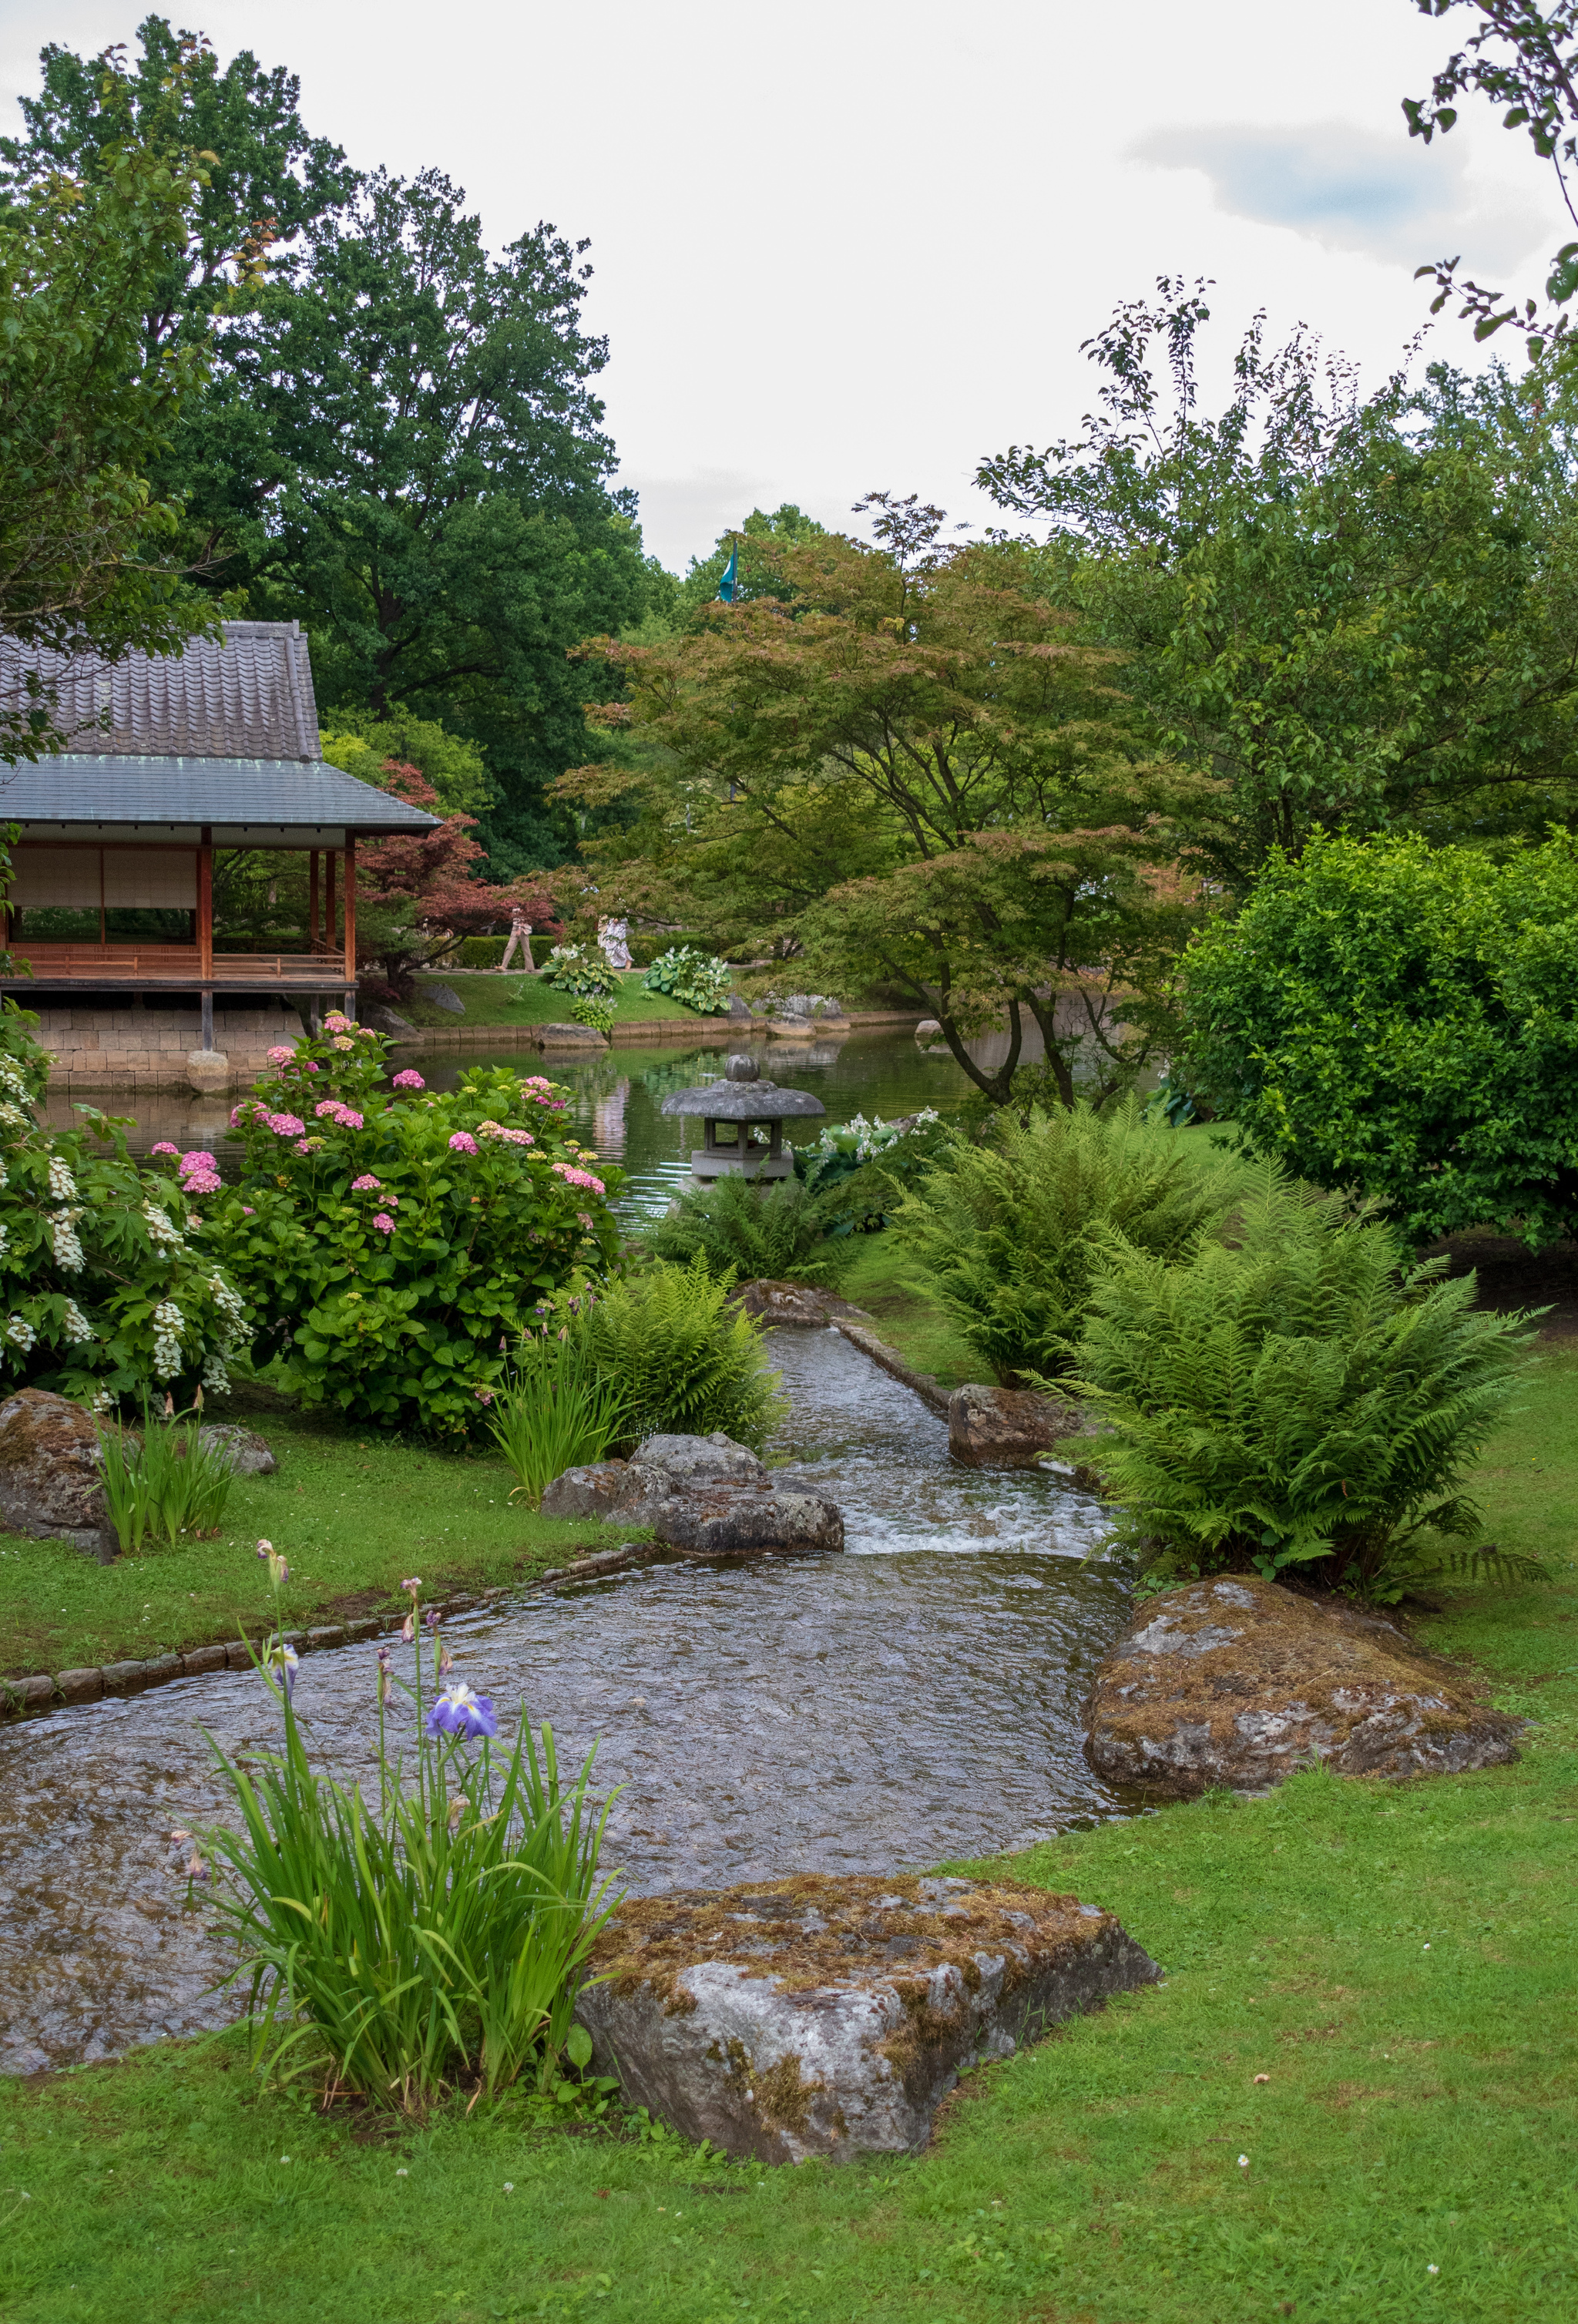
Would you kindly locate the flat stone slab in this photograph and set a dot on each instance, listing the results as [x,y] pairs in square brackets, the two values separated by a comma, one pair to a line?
[832,2016]
[1239,1682]
[782,1306]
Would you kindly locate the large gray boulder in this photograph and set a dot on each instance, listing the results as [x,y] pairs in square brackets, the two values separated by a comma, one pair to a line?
[52,1486]
[1011,1428]
[443,996]
[832,2016]
[781,1306]
[1239,1682]
[705,1496]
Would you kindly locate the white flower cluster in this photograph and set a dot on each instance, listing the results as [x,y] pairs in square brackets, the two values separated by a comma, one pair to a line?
[215,1377]
[67,1242]
[12,1078]
[864,1139]
[62,1184]
[21,1333]
[14,1117]
[159,1226]
[101,1400]
[169,1323]
[77,1327]
[227,1301]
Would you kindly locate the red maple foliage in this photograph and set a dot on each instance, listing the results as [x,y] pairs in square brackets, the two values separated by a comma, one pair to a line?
[418,896]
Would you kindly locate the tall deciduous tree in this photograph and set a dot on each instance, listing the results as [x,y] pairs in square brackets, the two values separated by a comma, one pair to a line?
[1357,612]
[897,767]
[87,404]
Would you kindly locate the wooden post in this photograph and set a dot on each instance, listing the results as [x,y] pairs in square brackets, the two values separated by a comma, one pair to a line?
[206,904]
[312,899]
[208,1018]
[330,916]
[350,907]
[103,921]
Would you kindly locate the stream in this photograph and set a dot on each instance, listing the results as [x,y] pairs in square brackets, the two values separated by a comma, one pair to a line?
[916,1699]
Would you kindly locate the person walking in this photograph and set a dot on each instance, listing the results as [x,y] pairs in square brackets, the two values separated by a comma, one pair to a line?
[520,934]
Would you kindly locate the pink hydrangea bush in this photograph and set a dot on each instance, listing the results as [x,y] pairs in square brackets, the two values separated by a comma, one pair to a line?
[396,1253]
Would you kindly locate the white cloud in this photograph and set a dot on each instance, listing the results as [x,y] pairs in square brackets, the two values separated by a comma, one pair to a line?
[1349,188]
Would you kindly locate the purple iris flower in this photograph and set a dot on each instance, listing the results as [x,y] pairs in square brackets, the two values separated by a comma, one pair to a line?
[459,1711]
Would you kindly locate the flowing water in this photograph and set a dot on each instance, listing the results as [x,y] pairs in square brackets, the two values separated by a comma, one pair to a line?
[916,1699]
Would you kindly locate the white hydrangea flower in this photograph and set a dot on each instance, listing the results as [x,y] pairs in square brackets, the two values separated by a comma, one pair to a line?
[62,1184]
[101,1400]
[160,1228]
[215,1377]
[169,1323]
[227,1301]
[21,1333]
[77,1326]
[12,1077]
[14,1117]
[67,1242]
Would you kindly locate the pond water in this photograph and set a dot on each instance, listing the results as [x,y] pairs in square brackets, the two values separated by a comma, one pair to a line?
[617,1096]
[917,1698]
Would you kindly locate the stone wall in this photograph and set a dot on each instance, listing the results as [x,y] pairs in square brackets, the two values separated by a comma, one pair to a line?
[128,1048]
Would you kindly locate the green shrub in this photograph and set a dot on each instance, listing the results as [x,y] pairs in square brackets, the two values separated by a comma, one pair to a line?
[695,979]
[686,1361]
[580,969]
[740,1229]
[1294,1395]
[394,1242]
[1010,1232]
[427,1942]
[1397,1017]
[112,1277]
[482,952]
[597,1014]
[858,1169]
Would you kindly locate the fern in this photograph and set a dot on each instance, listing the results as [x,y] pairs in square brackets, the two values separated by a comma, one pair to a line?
[684,1361]
[1291,1393]
[743,1230]
[1010,1233]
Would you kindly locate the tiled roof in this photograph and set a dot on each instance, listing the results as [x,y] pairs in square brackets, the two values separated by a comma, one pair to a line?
[269,794]
[246,695]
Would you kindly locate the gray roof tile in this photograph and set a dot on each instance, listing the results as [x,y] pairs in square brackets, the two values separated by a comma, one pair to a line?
[247,695]
[269,793]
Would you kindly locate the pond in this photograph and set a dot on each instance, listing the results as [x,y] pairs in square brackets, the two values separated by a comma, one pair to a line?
[917,1698]
[617,1096]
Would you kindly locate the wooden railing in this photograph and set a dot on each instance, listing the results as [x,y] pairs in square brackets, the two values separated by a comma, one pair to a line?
[157,964]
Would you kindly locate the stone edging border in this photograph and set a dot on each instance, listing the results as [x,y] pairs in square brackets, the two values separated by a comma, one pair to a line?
[927,1384]
[44,1691]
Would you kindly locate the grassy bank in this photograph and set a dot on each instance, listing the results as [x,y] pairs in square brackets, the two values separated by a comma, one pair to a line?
[1396,1961]
[881,1277]
[352,1512]
[510,999]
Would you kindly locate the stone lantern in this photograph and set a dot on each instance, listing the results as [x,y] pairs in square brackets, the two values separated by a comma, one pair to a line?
[733,1112]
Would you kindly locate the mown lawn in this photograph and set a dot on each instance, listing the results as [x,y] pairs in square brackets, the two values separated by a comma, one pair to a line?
[882,1278]
[353,1512]
[510,999]
[1396,1961]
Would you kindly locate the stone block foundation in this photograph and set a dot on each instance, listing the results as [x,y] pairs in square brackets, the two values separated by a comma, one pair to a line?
[129,1049]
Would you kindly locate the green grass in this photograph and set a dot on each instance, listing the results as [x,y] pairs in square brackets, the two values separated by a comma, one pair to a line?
[1397,1961]
[883,1279]
[352,1512]
[510,999]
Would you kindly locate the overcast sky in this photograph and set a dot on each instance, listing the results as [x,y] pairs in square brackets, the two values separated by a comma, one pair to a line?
[854,243]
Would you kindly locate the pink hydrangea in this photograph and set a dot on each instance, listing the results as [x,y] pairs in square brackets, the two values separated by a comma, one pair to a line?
[303,1146]
[280,1056]
[343,1041]
[577,1177]
[383,1222]
[408,1080]
[164,1147]
[285,1125]
[247,1212]
[368,1032]
[366,1185]
[238,1113]
[327,1105]
[198,1159]
[336,1021]
[310,1067]
[463,1142]
[349,1119]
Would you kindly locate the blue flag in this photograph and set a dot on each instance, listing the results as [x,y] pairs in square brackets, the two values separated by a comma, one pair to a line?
[730,581]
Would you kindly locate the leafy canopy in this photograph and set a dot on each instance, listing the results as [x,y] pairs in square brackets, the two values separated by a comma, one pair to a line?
[900,768]
[1402,1020]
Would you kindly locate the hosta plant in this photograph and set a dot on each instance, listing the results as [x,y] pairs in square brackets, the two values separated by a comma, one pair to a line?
[395,1241]
[1295,1394]
[580,969]
[695,979]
